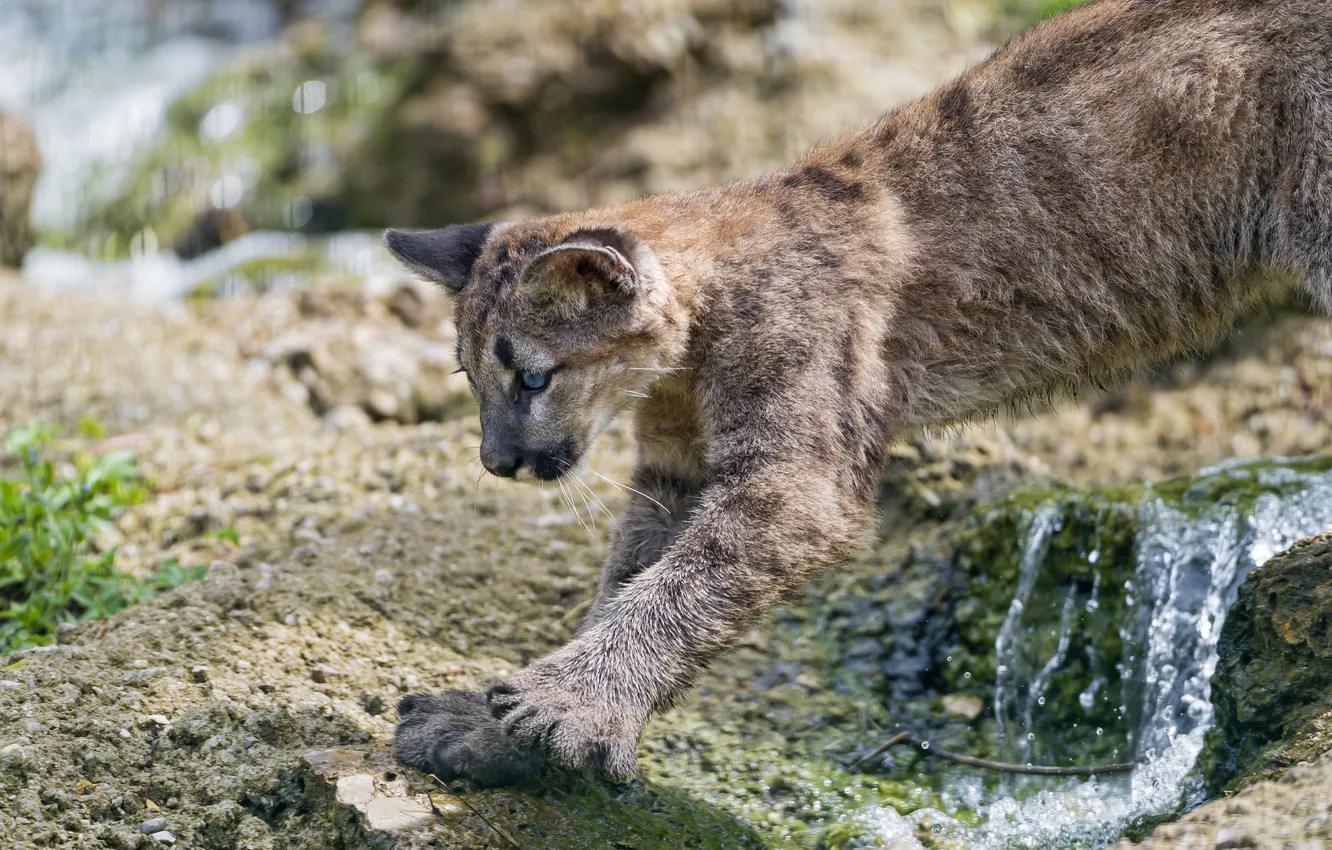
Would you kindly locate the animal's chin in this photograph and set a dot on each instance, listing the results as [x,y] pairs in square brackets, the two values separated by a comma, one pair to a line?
[549,470]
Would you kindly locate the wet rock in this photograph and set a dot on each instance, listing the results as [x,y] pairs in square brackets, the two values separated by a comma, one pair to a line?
[20,165]
[1273,682]
[1287,815]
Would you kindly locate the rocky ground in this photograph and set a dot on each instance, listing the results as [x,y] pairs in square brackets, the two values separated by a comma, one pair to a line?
[251,709]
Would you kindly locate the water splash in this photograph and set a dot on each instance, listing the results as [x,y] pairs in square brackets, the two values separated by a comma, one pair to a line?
[1192,553]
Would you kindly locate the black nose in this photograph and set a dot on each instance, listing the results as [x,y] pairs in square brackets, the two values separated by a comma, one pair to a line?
[506,467]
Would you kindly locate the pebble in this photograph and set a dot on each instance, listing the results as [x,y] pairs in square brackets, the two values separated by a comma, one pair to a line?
[164,837]
[152,825]
[9,685]
[322,673]
[965,706]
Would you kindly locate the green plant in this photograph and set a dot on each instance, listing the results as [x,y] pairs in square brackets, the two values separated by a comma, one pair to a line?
[50,571]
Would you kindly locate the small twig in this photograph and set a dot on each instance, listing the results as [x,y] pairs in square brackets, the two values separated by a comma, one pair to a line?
[987,764]
[501,833]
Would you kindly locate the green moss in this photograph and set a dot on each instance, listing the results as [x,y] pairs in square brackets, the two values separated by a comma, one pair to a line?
[1087,564]
[1237,485]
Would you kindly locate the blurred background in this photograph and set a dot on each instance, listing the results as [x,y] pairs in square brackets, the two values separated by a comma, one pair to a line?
[161,131]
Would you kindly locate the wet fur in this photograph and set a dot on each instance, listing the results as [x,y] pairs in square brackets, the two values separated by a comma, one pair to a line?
[1119,185]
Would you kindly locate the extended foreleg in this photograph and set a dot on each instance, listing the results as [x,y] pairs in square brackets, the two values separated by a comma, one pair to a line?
[752,542]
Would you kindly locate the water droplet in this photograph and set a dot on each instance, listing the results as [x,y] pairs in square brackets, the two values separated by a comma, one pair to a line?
[1098,730]
[1031,736]
[924,745]
[1041,701]
[966,675]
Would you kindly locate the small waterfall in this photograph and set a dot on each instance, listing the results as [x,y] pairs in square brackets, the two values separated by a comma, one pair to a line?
[1188,573]
[1192,551]
[1044,522]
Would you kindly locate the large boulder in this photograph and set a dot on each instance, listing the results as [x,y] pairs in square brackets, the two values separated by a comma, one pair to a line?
[20,163]
[1273,685]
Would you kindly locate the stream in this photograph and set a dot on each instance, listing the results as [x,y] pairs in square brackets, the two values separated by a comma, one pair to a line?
[1192,551]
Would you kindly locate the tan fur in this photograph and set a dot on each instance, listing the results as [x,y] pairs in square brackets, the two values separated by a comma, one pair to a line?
[1117,186]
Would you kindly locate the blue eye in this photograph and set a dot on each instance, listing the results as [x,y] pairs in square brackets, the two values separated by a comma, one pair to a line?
[533,381]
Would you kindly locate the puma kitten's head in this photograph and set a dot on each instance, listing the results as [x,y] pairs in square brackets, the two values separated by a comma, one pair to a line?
[560,326]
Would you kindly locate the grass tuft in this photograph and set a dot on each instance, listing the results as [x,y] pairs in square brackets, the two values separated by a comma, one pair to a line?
[51,571]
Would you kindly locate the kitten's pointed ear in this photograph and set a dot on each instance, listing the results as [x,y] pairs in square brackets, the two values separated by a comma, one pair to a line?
[445,256]
[596,265]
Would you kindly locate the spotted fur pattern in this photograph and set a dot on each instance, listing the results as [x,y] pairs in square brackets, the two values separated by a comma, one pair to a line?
[1118,185]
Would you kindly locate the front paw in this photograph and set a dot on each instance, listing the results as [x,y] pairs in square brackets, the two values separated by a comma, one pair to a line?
[454,736]
[574,728]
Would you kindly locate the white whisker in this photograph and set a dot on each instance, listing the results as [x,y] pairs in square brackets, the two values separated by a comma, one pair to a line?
[620,486]
[600,504]
[568,501]
[591,514]
[635,394]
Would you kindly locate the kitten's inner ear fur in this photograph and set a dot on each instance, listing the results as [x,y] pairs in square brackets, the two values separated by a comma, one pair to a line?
[445,256]
[601,265]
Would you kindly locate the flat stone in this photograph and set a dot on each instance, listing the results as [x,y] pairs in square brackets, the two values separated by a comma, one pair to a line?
[164,837]
[336,763]
[356,790]
[395,814]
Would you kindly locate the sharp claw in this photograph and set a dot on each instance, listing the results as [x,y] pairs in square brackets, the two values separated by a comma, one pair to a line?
[513,725]
[546,740]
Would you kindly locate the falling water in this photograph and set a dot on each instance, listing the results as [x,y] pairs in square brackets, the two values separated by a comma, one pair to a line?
[1191,556]
[1044,522]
